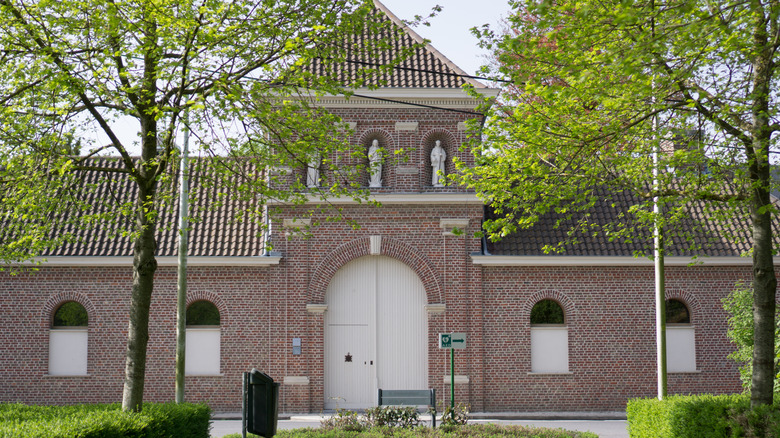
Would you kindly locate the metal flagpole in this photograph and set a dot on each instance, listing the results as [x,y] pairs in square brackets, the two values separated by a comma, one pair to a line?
[181,297]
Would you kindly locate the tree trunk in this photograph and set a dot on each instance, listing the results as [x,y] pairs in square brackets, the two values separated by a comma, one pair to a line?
[144,267]
[144,263]
[764,280]
[764,289]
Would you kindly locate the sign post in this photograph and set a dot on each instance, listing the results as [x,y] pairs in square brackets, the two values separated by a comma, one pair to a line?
[452,342]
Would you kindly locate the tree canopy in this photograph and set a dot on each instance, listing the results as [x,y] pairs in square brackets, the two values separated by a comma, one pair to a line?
[596,89]
[128,70]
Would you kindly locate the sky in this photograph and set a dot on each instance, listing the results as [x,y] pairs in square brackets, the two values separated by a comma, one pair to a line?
[449,31]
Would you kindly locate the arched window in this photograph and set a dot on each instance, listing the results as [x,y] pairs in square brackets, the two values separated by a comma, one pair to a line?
[68,340]
[677,312]
[549,338]
[547,312]
[680,338]
[202,313]
[203,339]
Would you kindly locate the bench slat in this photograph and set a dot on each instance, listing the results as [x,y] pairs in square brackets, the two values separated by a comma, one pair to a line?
[424,393]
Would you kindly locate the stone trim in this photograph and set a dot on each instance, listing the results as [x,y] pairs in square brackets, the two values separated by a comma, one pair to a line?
[296,380]
[407,170]
[459,380]
[406,126]
[547,260]
[296,222]
[449,224]
[375,245]
[435,309]
[316,308]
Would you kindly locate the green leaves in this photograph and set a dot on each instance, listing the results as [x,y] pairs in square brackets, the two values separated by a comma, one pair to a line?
[597,87]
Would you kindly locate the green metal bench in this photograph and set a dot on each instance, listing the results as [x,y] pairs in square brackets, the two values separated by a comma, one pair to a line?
[409,397]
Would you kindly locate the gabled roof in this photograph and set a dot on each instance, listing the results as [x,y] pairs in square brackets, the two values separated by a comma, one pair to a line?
[697,235]
[426,68]
[216,234]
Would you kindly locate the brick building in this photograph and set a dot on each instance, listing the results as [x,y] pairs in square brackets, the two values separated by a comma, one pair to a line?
[336,315]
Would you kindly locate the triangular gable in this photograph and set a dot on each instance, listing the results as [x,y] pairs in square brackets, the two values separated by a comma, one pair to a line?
[426,68]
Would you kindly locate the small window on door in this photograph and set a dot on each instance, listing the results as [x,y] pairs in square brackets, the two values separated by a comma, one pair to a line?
[549,338]
[68,339]
[203,339]
[680,338]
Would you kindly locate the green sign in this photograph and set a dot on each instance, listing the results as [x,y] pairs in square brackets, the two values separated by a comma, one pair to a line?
[452,340]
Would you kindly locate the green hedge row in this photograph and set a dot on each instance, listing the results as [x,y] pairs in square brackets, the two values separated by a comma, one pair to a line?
[104,421]
[711,416]
[468,431]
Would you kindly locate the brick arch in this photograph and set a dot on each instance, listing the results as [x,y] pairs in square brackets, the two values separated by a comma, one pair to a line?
[694,308]
[569,310]
[451,146]
[361,247]
[386,141]
[213,299]
[54,301]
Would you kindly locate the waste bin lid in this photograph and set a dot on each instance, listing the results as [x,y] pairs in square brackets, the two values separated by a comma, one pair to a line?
[259,378]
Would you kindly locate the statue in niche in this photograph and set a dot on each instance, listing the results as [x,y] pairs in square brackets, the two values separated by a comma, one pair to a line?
[375,164]
[438,156]
[313,172]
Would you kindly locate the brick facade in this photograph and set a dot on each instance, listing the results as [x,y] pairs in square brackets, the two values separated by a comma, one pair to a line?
[609,310]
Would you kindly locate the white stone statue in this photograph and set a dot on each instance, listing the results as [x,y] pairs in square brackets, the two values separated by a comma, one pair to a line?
[313,172]
[375,164]
[438,156]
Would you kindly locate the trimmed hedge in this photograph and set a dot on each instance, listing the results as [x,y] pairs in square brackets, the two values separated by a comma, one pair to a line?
[711,416]
[98,421]
[468,431]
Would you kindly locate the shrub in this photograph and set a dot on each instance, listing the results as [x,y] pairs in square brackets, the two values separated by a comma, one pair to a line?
[392,416]
[457,416]
[344,420]
[739,304]
[467,431]
[93,421]
[713,416]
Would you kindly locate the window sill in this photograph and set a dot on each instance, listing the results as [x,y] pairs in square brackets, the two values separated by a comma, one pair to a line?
[684,372]
[567,373]
[205,375]
[66,375]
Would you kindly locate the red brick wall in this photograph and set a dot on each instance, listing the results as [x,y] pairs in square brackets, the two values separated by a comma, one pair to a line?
[609,309]
[611,321]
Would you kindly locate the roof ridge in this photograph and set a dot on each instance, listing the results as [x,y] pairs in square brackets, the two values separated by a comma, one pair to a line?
[428,46]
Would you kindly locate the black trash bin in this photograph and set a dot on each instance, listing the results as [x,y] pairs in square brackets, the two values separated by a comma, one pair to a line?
[261,403]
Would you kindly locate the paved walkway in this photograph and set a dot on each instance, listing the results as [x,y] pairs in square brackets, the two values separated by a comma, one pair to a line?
[604,424]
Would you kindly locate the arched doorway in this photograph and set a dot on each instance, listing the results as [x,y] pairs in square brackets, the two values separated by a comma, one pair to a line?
[376,332]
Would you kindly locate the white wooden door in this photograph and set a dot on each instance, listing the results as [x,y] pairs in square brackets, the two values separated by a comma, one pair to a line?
[375,332]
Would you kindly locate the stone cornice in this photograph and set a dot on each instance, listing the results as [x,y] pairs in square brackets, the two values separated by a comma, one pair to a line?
[454,98]
[399,198]
[494,260]
[161,261]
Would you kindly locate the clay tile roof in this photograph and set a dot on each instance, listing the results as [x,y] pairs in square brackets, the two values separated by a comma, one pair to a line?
[216,233]
[426,68]
[696,235]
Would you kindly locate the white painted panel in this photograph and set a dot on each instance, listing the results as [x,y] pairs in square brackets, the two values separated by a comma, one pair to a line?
[376,314]
[549,349]
[202,354]
[350,334]
[68,352]
[402,327]
[680,349]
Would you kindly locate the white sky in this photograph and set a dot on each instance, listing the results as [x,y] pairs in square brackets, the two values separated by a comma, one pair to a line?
[449,31]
